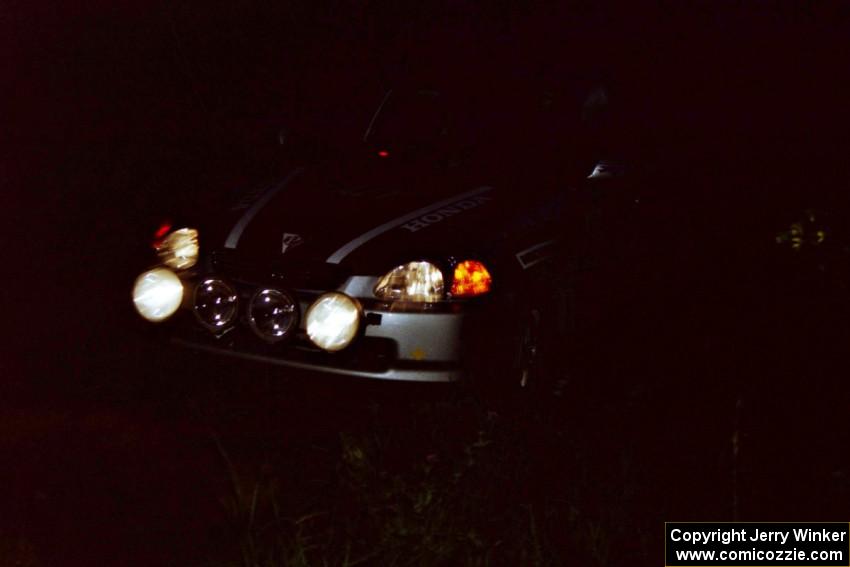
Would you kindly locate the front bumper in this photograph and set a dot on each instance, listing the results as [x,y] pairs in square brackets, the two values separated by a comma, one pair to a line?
[417,372]
[421,346]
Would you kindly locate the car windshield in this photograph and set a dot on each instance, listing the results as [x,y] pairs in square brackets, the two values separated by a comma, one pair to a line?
[411,118]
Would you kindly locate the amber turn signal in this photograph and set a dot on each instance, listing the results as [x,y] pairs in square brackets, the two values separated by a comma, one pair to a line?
[471,278]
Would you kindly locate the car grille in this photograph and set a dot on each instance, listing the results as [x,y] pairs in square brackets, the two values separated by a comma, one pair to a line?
[312,276]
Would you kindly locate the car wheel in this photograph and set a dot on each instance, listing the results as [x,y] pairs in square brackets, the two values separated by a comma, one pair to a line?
[539,371]
[526,368]
[515,368]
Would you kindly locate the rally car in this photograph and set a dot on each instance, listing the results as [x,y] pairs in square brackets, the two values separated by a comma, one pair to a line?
[407,258]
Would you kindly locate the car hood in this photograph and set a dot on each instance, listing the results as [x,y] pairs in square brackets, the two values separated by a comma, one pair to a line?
[367,216]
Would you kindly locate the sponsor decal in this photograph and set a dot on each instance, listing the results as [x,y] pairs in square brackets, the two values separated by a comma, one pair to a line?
[443,213]
[290,240]
[534,255]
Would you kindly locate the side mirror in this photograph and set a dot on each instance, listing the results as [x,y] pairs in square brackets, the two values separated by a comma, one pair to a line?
[607,169]
[283,136]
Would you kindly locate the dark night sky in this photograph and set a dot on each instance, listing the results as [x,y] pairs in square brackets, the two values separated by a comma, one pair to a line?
[226,75]
[232,65]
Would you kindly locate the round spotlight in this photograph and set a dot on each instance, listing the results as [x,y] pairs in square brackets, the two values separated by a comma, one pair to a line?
[333,321]
[273,314]
[157,294]
[216,304]
[179,250]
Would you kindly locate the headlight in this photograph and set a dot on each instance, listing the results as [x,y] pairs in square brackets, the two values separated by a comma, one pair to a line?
[179,250]
[414,281]
[157,294]
[333,321]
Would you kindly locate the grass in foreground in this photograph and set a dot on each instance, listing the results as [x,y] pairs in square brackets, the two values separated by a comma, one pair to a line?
[451,484]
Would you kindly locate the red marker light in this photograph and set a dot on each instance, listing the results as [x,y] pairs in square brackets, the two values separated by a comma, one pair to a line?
[471,278]
[160,233]
[383,153]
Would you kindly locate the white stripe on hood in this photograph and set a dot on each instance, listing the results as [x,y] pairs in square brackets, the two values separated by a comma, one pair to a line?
[340,254]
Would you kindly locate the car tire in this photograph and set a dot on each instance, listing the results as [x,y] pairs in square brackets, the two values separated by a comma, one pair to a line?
[518,368]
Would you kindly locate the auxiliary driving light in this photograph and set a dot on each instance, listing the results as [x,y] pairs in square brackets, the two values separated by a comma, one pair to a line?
[216,304]
[273,314]
[157,294]
[179,250]
[333,321]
